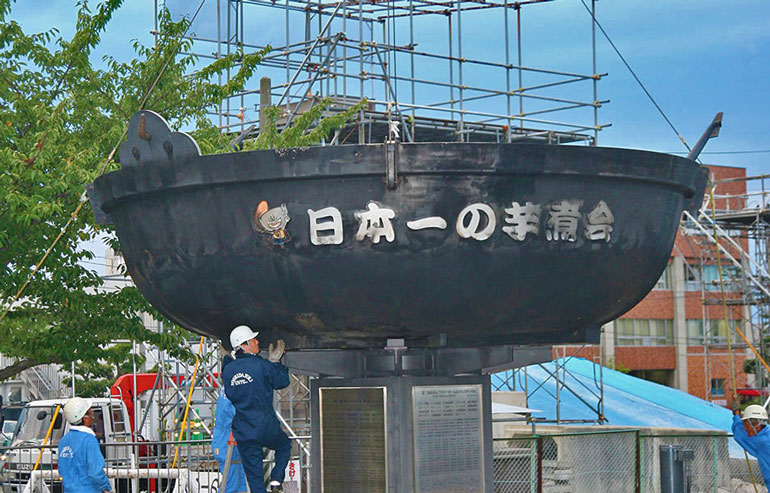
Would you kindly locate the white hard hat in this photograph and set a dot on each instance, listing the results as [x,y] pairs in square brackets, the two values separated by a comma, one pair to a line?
[754,411]
[75,409]
[241,334]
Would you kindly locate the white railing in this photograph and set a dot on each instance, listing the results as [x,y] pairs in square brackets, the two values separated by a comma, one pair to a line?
[5,361]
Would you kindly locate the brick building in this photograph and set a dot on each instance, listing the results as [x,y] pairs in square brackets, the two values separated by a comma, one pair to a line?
[677,335]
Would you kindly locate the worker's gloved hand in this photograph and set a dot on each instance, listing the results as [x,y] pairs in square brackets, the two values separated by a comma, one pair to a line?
[223,352]
[736,406]
[275,353]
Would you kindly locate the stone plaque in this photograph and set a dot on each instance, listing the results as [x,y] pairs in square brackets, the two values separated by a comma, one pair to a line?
[353,446]
[448,439]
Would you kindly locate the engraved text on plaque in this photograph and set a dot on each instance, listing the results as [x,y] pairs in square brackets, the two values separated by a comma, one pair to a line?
[353,447]
[448,440]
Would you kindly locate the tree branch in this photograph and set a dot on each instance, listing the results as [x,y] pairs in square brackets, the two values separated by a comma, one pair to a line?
[12,86]
[18,367]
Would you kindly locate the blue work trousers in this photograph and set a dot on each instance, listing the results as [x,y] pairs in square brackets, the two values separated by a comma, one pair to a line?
[252,456]
[236,479]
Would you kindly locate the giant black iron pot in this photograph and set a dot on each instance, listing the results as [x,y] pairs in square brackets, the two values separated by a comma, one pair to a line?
[191,242]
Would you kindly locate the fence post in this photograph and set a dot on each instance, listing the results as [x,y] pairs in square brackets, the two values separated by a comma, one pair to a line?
[539,464]
[715,468]
[533,464]
[638,468]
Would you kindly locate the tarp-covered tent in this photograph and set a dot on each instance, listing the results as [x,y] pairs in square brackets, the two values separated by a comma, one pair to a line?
[628,401]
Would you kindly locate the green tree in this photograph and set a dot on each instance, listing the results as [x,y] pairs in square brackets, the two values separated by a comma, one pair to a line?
[618,366]
[60,118]
[94,377]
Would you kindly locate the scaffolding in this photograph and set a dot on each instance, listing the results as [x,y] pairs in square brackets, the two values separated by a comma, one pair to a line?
[741,222]
[159,410]
[413,62]
[590,395]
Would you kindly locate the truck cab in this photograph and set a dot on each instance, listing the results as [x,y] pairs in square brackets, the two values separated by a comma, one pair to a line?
[111,427]
[9,415]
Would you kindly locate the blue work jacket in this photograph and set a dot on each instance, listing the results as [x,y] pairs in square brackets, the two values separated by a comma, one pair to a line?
[758,445]
[249,384]
[222,425]
[236,477]
[81,463]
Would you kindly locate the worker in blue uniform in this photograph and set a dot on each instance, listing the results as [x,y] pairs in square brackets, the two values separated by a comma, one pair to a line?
[751,432]
[81,463]
[249,383]
[236,478]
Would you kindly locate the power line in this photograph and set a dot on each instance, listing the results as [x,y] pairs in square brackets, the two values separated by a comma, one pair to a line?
[620,55]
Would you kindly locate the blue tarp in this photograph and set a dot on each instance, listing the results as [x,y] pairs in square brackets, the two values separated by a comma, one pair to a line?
[628,401]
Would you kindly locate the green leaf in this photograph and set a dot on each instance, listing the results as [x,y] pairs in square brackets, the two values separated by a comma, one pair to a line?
[59,119]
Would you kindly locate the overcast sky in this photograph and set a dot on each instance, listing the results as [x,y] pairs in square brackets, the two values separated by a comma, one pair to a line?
[696,57]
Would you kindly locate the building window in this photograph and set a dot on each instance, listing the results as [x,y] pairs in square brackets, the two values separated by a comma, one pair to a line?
[715,332]
[731,277]
[691,278]
[15,394]
[695,332]
[717,387]
[707,277]
[643,332]
[662,377]
[665,279]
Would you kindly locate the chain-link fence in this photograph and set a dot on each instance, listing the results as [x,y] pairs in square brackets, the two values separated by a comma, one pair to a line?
[708,470]
[617,461]
[560,462]
[515,464]
[744,474]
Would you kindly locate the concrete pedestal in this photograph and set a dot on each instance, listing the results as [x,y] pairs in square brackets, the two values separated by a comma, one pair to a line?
[402,434]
